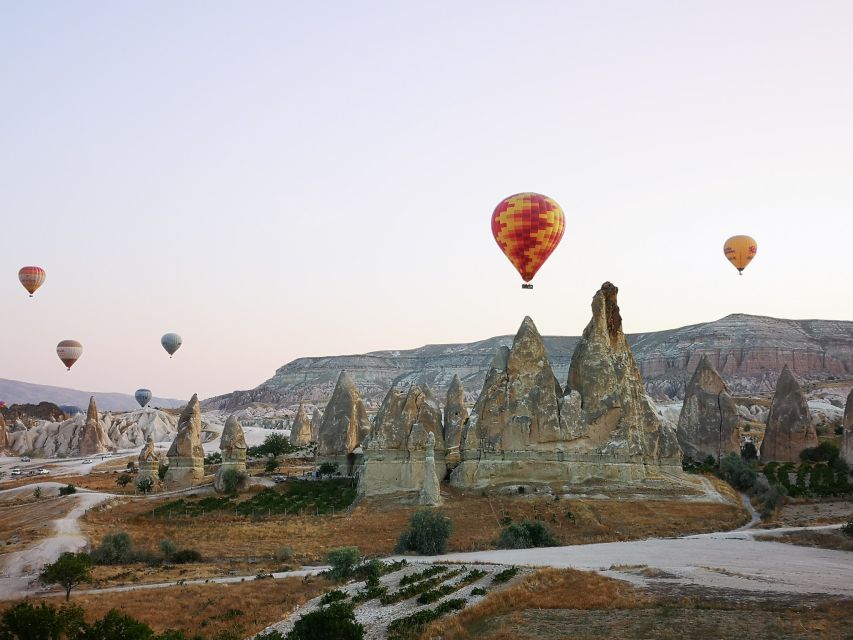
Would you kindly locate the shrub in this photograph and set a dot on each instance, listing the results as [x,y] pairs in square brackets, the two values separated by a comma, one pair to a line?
[370,571]
[412,625]
[333,622]
[37,493]
[213,458]
[116,548]
[478,591]
[343,562]
[131,465]
[530,533]
[826,451]
[327,469]
[335,595]
[67,490]
[427,534]
[161,470]
[185,556]
[736,472]
[116,625]
[232,480]
[283,554]
[275,444]
[505,576]
[145,485]
[748,452]
[24,621]
[69,570]
[269,635]
[847,529]
[271,465]
[123,480]
[167,548]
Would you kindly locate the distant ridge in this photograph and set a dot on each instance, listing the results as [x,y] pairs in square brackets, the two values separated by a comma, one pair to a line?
[17,392]
[748,351]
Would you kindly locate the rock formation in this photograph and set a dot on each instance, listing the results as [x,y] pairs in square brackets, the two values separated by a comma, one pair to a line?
[524,428]
[847,434]
[789,426]
[344,427]
[709,420]
[395,452]
[316,421]
[300,432]
[5,447]
[233,448]
[149,465]
[93,438]
[186,457]
[430,495]
[455,415]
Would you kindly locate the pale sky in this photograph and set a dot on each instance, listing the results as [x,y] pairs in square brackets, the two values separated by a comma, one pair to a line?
[274,180]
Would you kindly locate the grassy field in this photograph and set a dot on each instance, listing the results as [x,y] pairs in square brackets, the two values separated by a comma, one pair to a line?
[28,520]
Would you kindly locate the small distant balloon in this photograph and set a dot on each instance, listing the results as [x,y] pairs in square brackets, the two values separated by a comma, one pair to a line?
[740,250]
[171,342]
[143,397]
[32,278]
[69,351]
[528,227]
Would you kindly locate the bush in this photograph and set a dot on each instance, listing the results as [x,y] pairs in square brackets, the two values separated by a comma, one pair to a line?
[847,529]
[737,472]
[232,480]
[334,622]
[67,490]
[123,480]
[275,444]
[505,576]
[161,470]
[826,451]
[343,562]
[24,621]
[530,533]
[327,469]
[271,465]
[748,452]
[335,595]
[185,556]
[427,534]
[213,458]
[116,548]
[116,625]
[371,571]
[145,485]
[283,554]
[37,493]
[167,548]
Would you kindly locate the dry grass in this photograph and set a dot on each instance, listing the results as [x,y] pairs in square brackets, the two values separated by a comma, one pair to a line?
[543,589]
[205,608]
[29,520]
[823,539]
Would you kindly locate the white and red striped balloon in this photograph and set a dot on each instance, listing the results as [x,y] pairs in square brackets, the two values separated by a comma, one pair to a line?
[69,351]
[32,278]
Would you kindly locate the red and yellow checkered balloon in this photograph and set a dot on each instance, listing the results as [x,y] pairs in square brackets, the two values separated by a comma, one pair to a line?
[528,227]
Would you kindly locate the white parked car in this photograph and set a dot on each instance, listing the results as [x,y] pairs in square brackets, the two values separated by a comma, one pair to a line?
[43,472]
[25,459]
[15,472]
[88,461]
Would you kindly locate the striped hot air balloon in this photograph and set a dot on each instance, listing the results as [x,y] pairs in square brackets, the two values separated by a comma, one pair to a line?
[528,227]
[69,351]
[143,397]
[171,342]
[740,250]
[32,278]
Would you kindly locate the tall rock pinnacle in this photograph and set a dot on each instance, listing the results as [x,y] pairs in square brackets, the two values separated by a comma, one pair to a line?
[789,425]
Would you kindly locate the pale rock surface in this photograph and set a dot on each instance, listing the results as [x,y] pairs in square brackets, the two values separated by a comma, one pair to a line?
[300,432]
[345,426]
[430,495]
[5,446]
[524,428]
[93,439]
[395,451]
[789,425]
[316,421]
[847,445]
[455,416]
[149,465]
[233,446]
[709,421]
[186,457]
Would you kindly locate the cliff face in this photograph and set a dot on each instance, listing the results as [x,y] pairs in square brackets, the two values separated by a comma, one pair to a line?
[748,351]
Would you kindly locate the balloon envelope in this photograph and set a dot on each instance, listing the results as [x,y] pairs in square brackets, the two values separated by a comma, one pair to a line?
[740,250]
[32,278]
[69,351]
[143,396]
[171,342]
[528,227]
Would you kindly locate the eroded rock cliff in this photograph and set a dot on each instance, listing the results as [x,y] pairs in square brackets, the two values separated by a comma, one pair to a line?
[789,426]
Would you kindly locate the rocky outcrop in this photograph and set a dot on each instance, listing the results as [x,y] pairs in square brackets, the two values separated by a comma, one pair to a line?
[345,426]
[789,426]
[93,439]
[430,495]
[300,432]
[149,466]
[455,416]
[709,421]
[186,457]
[5,447]
[847,424]
[233,448]
[316,421]
[395,452]
[524,428]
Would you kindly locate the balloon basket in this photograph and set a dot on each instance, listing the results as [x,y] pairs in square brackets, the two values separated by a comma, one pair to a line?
[527,285]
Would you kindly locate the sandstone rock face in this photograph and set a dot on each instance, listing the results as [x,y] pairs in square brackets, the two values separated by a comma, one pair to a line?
[5,448]
[455,416]
[300,432]
[524,428]
[186,457]
[149,465]
[316,421]
[93,439]
[233,448]
[789,426]
[395,452]
[847,445]
[345,425]
[430,495]
[709,420]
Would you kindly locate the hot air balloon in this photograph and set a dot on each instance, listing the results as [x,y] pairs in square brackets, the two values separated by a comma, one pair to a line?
[143,397]
[171,342]
[740,250]
[32,278]
[69,351]
[528,227]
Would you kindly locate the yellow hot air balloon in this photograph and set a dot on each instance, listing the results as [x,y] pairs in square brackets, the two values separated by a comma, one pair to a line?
[740,250]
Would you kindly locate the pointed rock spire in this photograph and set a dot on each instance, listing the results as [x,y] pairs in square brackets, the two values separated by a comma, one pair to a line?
[93,438]
[300,431]
[847,424]
[232,435]
[316,421]
[789,425]
[4,437]
[187,442]
[455,416]
[345,424]
[398,415]
[709,422]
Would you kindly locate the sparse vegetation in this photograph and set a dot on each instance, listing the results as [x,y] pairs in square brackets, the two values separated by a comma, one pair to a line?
[524,535]
[115,548]
[327,469]
[427,534]
[416,588]
[271,465]
[505,576]
[67,490]
[232,480]
[335,595]
[343,562]
[412,625]
[123,480]
[333,622]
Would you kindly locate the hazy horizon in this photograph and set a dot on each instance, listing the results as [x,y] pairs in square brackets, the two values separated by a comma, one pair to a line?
[277,181]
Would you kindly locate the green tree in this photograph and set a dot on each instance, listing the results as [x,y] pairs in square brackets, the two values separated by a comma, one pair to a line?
[116,548]
[271,466]
[334,622]
[116,626]
[527,534]
[343,562]
[427,534]
[69,570]
[145,485]
[327,469]
[748,452]
[123,480]
[24,621]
